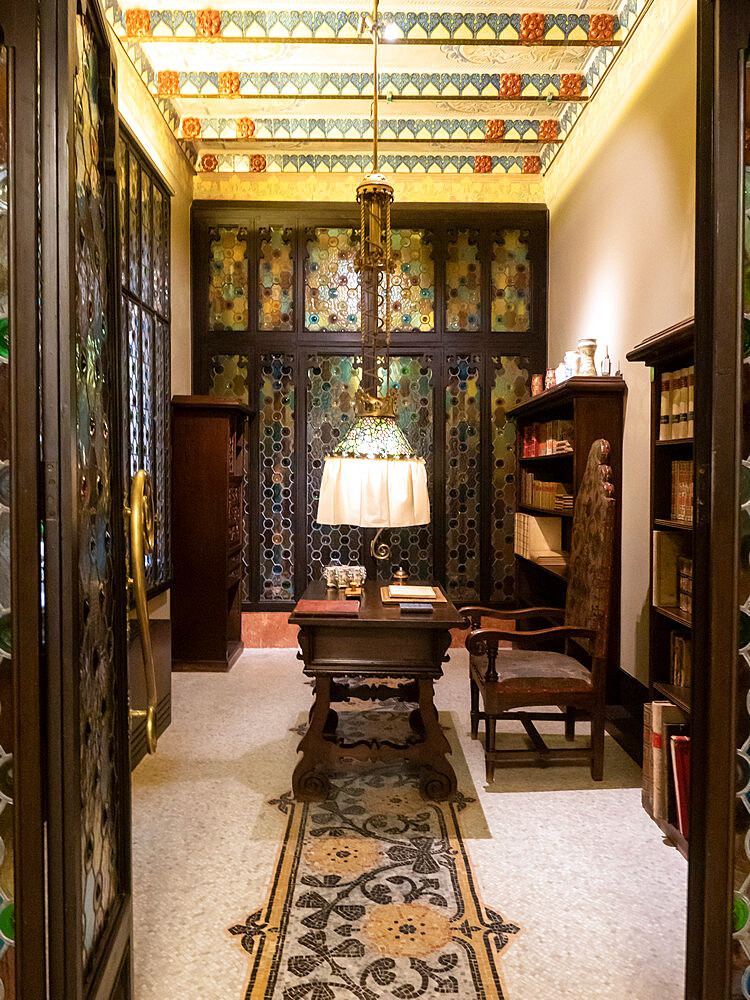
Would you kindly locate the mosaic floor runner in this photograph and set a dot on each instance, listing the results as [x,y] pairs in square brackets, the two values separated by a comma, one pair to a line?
[373,897]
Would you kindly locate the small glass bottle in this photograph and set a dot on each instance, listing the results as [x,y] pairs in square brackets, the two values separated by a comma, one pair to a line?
[606,365]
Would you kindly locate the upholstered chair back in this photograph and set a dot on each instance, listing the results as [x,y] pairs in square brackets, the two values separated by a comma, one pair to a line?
[592,550]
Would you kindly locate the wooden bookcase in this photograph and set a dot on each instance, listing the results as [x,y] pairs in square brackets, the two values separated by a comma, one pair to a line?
[668,350]
[596,407]
[209,468]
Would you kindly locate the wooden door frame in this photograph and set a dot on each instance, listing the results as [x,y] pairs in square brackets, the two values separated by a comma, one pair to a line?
[723,31]
[112,971]
[18,33]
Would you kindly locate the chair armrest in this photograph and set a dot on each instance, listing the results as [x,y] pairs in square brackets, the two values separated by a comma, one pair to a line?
[482,640]
[474,613]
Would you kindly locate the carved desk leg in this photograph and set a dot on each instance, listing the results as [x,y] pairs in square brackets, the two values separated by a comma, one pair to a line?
[309,783]
[438,780]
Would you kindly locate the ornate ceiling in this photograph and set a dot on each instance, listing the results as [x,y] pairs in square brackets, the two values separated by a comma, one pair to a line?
[274,89]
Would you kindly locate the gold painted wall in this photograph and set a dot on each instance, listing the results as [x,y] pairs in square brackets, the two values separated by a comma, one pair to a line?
[140,113]
[425,188]
[622,218]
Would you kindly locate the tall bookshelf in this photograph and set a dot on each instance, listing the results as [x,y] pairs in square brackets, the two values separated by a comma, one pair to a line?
[595,405]
[668,351]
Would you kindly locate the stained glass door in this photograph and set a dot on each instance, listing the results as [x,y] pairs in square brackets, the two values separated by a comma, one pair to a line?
[89,850]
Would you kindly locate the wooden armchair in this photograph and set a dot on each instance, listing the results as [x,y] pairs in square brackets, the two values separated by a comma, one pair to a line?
[563,664]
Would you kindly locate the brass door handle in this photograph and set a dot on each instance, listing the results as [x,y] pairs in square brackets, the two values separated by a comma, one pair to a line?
[141,512]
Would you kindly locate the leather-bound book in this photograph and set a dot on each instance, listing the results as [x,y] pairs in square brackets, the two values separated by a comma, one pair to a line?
[328,609]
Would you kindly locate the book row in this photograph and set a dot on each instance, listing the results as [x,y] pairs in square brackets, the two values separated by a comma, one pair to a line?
[680,660]
[545,495]
[677,404]
[553,438]
[665,789]
[682,491]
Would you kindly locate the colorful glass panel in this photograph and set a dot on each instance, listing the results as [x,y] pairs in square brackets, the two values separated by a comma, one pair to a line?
[332,382]
[147,273]
[331,283]
[740,986]
[412,547]
[276,452]
[134,228]
[133,313]
[160,256]
[463,281]
[101,823]
[147,412]
[412,281]
[161,473]
[227,294]
[462,475]
[275,279]
[7,740]
[511,282]
[510,387]
[228,375]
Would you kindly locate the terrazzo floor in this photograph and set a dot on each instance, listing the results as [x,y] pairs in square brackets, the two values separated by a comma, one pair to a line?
[580,867]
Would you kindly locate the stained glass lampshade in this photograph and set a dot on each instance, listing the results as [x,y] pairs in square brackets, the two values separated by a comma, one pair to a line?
[373,479]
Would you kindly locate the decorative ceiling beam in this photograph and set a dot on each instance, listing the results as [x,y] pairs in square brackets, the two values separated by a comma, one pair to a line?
[440,129]
[141,24]
[447,147]
[489,101]
[362,162]
[487,43]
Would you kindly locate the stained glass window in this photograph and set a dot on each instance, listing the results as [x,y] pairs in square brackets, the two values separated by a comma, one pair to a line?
[228,377]
[510,387]
[7,745]
[413,281]
[412,547]
[331,283]
[511,282]
[227,296]
[332,382]
[146,327]
[275,279]
[276,453]
[463,281]
[462,476]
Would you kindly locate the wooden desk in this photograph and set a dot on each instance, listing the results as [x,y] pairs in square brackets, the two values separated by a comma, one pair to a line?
[353,657]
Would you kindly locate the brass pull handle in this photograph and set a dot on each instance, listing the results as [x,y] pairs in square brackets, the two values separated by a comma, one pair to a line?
[141,513]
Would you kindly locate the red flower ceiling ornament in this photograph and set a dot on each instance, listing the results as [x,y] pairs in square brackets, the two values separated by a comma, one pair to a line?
[257,164]
[531,165]
[137,23]
[601,27]
[494,129]
[571,84]
[510,85]
[191,128]
[548,130]
[245,128]
[209,162]
[208,23]
[229,83]
[482,164]
[168,83]
[532,27]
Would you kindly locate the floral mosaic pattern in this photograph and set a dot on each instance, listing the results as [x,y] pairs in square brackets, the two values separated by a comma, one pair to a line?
[511,282]
[463,282]
[228,373]
[462,475]
[227,294]
[413,281]
[275,279]
[331,283]
[276,413]
[373,896]
[332,382]
[510,387]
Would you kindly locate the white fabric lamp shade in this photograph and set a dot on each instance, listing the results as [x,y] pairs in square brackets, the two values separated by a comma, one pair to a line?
[374,492]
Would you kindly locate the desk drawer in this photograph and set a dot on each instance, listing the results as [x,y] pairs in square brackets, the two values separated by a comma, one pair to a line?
[378,648]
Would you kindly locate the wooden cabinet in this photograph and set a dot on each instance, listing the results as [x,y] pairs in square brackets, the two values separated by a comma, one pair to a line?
[671,627]
[595,408]
[209,467]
